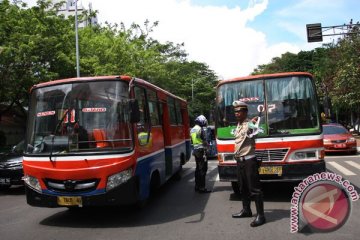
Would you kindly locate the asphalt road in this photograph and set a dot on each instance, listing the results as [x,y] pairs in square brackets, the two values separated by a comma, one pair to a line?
[175,212]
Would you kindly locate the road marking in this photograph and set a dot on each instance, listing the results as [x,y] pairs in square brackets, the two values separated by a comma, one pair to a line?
[208,177]
[342,169]
[187,173]
[217,179]
[354,164]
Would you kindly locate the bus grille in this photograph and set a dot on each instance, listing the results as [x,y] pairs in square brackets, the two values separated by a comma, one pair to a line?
[71,186]
[271,154]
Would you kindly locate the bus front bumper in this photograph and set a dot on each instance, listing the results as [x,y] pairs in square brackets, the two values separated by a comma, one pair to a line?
[288,173]
[124,194]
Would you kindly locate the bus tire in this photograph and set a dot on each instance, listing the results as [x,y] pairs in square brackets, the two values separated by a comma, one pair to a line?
[236,188]
[141,203]
[182,159]
[177,175]
[154,182]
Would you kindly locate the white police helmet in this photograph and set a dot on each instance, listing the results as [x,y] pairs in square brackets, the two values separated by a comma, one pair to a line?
[201,120]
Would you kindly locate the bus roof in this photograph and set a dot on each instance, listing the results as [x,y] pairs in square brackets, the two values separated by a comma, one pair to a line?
[80,79]
[264,76]
[102,78]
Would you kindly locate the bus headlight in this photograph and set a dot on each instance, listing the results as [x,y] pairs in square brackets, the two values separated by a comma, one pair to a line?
[118,178]
[222,157]
[32,182]
[307,155]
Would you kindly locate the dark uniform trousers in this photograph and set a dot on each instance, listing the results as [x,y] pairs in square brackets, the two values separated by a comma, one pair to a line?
[249,183]
[201,168]
[248,178]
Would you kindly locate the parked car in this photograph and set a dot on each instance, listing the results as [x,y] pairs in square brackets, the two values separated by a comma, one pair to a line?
[11,169]
[338,139]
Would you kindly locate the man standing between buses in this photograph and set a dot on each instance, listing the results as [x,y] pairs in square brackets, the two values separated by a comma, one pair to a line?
[198,139]
[247,164]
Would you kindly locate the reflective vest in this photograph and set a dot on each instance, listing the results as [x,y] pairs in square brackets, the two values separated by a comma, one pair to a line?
[195,134]
[143,137]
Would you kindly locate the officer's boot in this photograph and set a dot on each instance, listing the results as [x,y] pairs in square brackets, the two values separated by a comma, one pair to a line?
[260,217]
[246,211]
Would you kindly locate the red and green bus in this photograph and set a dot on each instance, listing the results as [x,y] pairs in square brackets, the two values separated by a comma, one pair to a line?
[97,141]
[291,144]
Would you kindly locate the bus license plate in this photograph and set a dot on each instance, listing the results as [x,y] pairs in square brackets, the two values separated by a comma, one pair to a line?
[271,170]
[69,201]
[342,145]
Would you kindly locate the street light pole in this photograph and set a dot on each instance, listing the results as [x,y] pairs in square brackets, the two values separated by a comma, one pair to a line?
[77,42]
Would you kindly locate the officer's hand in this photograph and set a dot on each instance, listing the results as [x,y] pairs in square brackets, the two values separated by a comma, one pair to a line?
[254,120]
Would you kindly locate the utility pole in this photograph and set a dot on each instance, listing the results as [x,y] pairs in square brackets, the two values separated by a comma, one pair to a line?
[315,32]
[77,42]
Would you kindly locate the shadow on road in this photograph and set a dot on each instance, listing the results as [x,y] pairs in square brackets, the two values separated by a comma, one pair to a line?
[13,190]
[273,192]
[175,200]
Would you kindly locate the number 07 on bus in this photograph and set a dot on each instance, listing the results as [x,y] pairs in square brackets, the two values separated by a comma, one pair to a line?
[291,143]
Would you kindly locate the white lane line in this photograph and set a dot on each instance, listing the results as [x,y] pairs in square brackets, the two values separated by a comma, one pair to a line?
[342,169]
[217,178]
[354,164]
[187,173]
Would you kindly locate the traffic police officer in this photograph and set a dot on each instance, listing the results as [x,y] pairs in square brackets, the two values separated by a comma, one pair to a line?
[247,165]
[198,138]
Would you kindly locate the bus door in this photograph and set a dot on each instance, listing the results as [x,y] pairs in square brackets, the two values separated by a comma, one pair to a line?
[157,132]
[143,127]
[149,130]
[167,138]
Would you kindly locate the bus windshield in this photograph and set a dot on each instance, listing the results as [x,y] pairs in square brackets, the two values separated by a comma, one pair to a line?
[79,117]
[285,106]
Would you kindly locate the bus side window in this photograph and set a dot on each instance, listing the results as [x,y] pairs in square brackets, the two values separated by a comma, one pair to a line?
[144,124]
[153,108]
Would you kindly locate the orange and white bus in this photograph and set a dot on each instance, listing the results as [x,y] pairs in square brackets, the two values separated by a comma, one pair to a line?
[291,145]
[102,141]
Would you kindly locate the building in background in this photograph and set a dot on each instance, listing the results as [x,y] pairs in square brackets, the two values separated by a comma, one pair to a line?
[68,9]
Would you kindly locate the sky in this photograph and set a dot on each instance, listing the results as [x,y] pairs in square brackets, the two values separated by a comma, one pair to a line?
[232,37]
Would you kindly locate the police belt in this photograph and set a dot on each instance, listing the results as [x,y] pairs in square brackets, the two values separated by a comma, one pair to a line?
[244,158]
[198,146]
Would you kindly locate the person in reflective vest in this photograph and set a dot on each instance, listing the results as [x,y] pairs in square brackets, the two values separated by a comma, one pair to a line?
[198,138]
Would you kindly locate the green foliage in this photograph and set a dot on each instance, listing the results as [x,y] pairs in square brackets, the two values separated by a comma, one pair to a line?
[336,68]
[346,87]
[34,46]
[37,45]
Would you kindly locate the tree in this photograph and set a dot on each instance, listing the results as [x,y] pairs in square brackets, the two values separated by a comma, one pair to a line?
[335,67]
[34,48]
[37,45]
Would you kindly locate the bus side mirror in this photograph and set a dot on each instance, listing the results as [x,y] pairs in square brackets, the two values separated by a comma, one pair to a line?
[134,111]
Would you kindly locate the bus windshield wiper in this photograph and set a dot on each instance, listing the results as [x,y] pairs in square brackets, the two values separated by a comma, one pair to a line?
[51,146]
[54,133]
